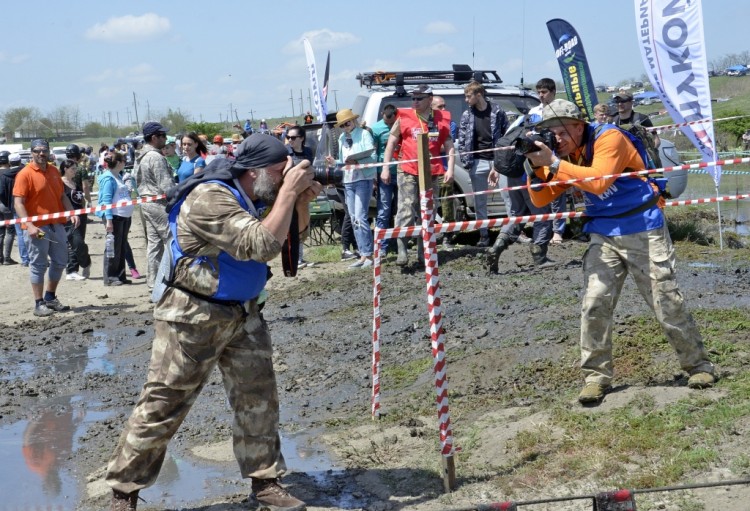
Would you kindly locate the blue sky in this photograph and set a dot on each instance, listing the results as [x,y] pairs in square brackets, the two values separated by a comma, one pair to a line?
[202,57]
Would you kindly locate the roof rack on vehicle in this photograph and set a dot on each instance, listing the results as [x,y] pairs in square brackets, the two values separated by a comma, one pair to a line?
[461,73]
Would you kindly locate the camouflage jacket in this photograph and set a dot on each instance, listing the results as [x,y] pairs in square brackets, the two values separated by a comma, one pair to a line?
[152,172]
[210,221]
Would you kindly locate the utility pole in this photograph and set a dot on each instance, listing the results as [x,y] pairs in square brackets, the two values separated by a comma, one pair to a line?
[291,98]
[110,124]
[301,104]
[252,119]
[309,100]
[118,118]
[135,107]
[148,110]
[127,111]
[335,99]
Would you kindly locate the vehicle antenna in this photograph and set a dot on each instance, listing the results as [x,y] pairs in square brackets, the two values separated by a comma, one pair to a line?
[523,38]
[473,34]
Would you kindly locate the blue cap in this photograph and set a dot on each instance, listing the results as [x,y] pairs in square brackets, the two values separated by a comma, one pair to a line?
[151,127]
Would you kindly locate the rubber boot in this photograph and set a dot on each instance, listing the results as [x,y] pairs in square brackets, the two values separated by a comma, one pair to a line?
[493,253]
[402,259]
[539,254]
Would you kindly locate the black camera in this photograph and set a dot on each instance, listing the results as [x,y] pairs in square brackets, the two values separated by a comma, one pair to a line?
[326,175]
[525,144]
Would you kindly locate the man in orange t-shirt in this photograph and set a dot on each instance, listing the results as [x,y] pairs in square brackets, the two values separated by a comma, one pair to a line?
[39,190]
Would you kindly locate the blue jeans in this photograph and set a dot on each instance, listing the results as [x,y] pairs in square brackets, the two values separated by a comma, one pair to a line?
[479,173]
[52,252]
[23,253]
[385,206]
[358,196]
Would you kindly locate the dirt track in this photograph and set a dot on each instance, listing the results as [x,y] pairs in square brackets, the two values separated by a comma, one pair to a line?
[86,367]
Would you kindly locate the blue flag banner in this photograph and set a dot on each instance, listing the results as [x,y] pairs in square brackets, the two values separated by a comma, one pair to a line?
[579,86]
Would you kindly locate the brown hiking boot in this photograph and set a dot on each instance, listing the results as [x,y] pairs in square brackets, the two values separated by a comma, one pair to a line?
[269,495]
[701,380]
[592,393]
[123,501]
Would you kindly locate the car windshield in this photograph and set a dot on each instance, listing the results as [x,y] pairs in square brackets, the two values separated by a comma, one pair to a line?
[456,105]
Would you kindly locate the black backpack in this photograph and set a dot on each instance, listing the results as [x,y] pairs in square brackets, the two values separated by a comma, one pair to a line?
[508,162]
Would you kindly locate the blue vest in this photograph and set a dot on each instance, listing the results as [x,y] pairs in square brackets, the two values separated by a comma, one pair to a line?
[608,212]
[238,280]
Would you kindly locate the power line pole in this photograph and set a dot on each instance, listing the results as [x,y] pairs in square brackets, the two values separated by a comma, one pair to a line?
[301,104]
[335,99]
[135,107]
[127,111]
[118,118]
[252,119]
[148,110]
[291,98]
[309,100]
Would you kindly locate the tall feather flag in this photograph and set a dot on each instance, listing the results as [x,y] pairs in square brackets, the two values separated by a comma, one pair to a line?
[579,86]
[670,35]
[321,108]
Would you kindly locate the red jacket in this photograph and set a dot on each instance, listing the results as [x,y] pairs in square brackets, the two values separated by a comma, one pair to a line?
[412,125]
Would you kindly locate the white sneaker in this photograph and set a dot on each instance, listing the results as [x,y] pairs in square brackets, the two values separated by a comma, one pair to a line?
[74,276]
[86,271]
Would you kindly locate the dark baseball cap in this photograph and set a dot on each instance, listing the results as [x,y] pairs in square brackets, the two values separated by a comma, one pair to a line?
[624,97]
[422,89]
[152,127]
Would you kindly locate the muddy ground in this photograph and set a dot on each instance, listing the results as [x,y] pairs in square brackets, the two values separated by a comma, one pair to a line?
[511,353]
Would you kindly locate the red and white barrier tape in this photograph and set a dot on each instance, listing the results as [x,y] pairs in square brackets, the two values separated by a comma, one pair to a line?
[662,170]
[84,211]
[665,127]
[432,277]
[376,270]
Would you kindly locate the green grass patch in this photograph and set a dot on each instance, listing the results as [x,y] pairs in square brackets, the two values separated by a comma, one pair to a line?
[399,376]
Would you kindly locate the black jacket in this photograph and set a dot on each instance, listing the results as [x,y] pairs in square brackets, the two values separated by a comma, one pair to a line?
[7,179]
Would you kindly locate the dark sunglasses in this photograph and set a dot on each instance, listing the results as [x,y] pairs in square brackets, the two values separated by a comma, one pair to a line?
[40,151]
[347,123]
[293,137]
[618,101]
[420,98]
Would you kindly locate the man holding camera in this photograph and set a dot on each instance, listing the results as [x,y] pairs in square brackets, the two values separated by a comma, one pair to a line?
[628,235]
[209,315]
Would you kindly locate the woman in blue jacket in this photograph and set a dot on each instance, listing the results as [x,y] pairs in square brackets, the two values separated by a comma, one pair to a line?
[192,161]
[117,220]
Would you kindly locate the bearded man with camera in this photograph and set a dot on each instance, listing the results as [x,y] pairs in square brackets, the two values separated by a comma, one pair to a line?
[226,223]
[628,235]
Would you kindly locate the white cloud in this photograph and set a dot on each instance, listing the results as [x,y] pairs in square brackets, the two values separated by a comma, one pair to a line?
[13,59]
[321,40]
[439,27]
[127,29]
[434,50]
[140,73]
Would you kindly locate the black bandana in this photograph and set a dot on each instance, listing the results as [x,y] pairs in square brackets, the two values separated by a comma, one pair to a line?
[258,151]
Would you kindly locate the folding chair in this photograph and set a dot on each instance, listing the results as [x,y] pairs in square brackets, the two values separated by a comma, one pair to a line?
[322,222]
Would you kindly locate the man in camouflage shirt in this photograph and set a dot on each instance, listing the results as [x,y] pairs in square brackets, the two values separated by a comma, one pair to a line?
[153,176]
[221,224]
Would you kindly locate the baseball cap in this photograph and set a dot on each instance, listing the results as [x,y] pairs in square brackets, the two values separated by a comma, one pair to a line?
[151,127]
[624,96]
[14,158]
[422,89]
[558,112]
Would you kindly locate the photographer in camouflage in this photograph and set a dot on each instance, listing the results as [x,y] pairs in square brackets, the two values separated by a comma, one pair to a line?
[224,232]
[628,235]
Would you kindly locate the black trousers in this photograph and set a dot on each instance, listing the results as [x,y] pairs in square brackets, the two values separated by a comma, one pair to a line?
[78,251]
[114,268]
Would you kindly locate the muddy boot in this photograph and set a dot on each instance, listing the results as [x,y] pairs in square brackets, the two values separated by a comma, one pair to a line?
[123,501]
[402,259]
[269,494]
[539,254]
[493,253]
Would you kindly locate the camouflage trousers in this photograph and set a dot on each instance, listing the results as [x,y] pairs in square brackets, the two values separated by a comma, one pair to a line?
[649,257]
[154,217]
[408,212]
[183,357]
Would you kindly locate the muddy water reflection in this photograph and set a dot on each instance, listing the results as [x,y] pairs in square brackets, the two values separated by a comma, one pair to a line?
[39,470]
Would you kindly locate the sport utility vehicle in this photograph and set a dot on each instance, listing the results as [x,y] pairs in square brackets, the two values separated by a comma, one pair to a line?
[381,88]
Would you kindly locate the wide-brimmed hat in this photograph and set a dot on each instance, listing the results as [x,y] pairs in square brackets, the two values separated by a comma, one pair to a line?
[236,137]
[559,112]
[342,116]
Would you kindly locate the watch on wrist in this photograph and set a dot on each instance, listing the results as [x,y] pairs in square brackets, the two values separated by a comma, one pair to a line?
[554,166]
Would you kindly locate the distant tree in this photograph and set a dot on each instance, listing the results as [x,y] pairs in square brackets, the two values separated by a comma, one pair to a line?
[207,128]
[64,118]
[95,129]
[734,128]
[14,117]
[175,120]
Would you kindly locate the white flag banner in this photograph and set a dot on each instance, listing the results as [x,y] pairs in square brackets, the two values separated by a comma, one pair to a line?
[670,34]
[318,100]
